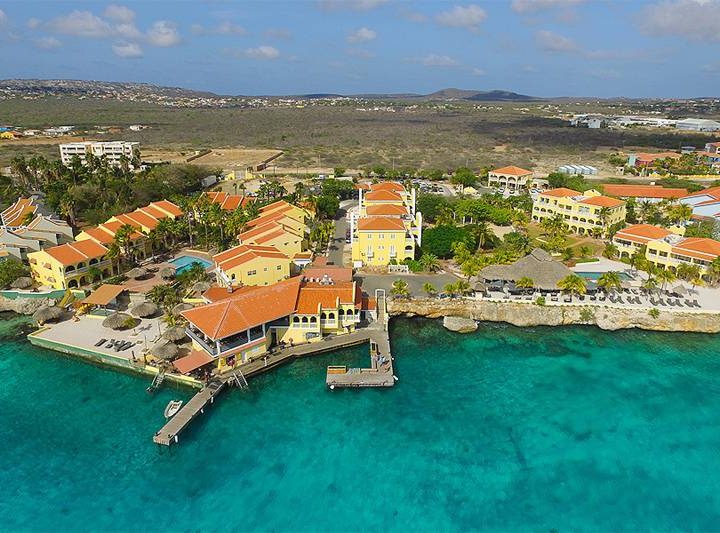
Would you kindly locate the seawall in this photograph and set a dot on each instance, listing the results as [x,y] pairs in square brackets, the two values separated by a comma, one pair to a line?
[24,306]
[529,314]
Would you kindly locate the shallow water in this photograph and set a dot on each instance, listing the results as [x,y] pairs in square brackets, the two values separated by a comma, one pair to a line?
[504,429]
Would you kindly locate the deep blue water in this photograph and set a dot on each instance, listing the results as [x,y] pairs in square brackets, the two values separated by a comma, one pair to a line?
[506,429]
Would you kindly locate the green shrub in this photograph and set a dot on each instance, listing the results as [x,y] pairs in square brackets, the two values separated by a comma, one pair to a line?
[654,313]
[540,300]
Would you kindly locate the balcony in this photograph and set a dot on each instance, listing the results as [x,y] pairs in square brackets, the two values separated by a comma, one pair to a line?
[202,342]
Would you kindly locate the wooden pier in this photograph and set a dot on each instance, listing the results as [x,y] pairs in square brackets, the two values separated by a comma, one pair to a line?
[168,434]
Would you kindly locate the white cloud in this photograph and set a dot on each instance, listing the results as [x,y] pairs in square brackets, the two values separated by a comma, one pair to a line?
[468,17]
[555,43]
[354,5]
[119,13]
[262,52]
[128,50]
[478,72]
[127,31]
[33,23]
[163,33]
[695,20]
[436,60]
[530,6]
[361,35]
[81,24]
[3,18]
[224,28]
[711,68]
[47,43]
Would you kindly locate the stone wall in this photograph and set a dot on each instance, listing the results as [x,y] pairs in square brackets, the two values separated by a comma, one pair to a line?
[529,314]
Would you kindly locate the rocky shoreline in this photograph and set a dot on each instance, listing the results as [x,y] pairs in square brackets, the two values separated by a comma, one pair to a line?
[24,306]
[529,314]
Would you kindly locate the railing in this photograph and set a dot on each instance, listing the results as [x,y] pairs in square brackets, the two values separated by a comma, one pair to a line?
[194,336]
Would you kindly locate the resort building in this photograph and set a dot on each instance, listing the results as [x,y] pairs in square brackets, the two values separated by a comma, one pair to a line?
[228,202]
[244,323]
[249,264]
[666,249]
[386,227]
[280,225]
[42,232]
[584,213]
[644,159]
[19,213]
[644,193]
[113,151]
[143,220]
[538,266]
[71,265]
[705,203]
[711,154]
[510,177]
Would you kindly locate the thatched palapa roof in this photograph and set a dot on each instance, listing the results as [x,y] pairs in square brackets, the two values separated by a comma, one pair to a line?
[23,282]
[144,309]
[175,333]
[164,350]
[46,313]
[538,265]
[116,320]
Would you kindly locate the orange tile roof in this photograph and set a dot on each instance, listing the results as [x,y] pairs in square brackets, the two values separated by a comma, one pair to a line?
[265,219]
[267,237]
[104,294]
[561,192]
[265,232]
[153,211]
[13,215]
[363,186]
[642,233]
[245,309]
[244,253]
[74,252]
[335,273]
[115,225]
[648,157]
[381,224]
[511,171]
[713,192]
[643,191]
[168,206]
[698,247]
[280,205]
[387,209]
[602,201]
[100,235]
[387,186]
[143,219]
[228,202]
[314,295]
[194,360]
[383,196]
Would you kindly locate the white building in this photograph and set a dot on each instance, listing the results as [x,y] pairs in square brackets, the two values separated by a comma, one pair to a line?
[698,124]
[112,150]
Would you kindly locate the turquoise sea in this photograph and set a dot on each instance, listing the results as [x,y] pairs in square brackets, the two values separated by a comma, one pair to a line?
[506,429]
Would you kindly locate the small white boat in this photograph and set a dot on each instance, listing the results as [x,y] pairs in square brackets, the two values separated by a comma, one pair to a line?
[172,408]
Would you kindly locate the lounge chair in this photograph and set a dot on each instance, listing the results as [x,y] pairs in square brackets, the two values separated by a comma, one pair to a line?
[696,304]
[554,297]
[567,299]
[100,342]
[110,343]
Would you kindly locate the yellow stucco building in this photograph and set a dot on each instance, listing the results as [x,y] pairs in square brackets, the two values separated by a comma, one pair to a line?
[249,264]
[588,213]
[386,227]
[71,265]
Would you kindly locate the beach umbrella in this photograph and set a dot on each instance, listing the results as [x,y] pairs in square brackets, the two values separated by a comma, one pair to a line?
[164,350]
[167,272]
[179,308]
[46,313]
[680,290]
[137,272]
[175,334]
[22,283]
[201,286]
[144,309]
[116,320]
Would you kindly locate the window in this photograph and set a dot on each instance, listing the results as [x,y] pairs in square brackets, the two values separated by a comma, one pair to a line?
[279,267]
[252,272]
[265,269]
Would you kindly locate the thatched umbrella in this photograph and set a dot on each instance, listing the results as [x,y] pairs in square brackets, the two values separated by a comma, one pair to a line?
[164,350]
[200,286]
[144,309]
[175,334]
[137,272]
[167,272]
[22,283]
[680,290]
[179,308]
[46,313]
[116,320]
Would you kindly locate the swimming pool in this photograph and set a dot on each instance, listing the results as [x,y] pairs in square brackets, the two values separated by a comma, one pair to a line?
[594,276]
[185,262]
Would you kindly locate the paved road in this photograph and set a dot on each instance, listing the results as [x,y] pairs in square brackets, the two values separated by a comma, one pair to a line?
[335,252]
[415,282]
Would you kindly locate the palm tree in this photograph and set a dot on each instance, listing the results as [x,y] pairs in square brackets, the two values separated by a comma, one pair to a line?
[611,251]
[525,283]
[450,289]
[584,250]
[609,281]
[463,287]
[430,262]
[573,284]
[484,234]
[649,284]
[470,267]
[429,289]
[665,276]
[400,289]
[679,213]
[568,254]
[714,269]
[95,273]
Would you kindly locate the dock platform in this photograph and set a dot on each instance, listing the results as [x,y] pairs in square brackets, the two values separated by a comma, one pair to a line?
[169,433]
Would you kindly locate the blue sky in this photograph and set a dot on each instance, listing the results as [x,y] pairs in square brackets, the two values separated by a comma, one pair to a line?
[666,48]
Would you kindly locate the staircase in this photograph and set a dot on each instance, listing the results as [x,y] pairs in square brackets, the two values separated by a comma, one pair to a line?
[157,381]
[239,380]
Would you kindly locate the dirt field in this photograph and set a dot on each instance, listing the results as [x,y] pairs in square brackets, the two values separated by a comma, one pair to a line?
[232,158]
